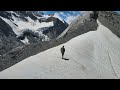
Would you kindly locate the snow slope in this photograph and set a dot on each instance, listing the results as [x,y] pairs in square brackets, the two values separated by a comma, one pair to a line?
[95,54]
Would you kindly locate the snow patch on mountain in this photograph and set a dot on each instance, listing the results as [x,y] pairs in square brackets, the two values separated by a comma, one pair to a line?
[57,16]
[44,37]
[22,25]
[25,41]
[33,25]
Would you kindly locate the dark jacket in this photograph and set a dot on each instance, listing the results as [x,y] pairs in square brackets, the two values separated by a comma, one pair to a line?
[62,50]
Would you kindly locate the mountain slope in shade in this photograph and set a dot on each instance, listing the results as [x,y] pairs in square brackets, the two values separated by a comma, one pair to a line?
[92,55]
[8,39]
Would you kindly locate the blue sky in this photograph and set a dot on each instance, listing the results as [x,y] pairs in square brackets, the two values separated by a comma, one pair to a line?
[118,12]
[51,12]
[67,16]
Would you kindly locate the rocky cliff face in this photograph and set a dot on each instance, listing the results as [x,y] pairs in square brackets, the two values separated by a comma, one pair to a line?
[54,31]
[8,39]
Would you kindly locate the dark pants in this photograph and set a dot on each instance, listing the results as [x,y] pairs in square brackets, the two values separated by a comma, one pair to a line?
[62,54]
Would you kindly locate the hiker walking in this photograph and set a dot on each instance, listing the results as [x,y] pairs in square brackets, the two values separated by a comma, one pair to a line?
[63,51]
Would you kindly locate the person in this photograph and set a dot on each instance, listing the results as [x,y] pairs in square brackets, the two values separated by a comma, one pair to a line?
[63,51]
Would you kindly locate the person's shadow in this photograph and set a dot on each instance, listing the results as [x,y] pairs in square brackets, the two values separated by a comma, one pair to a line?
[65,59]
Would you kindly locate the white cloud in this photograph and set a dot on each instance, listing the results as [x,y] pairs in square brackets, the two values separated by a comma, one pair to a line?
[68,16]
[69,19]
[57,15]
[85,12]
[82,12]
[61,13]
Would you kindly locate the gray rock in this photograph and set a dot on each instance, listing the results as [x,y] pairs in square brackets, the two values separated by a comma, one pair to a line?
[8,39]
[54,31]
